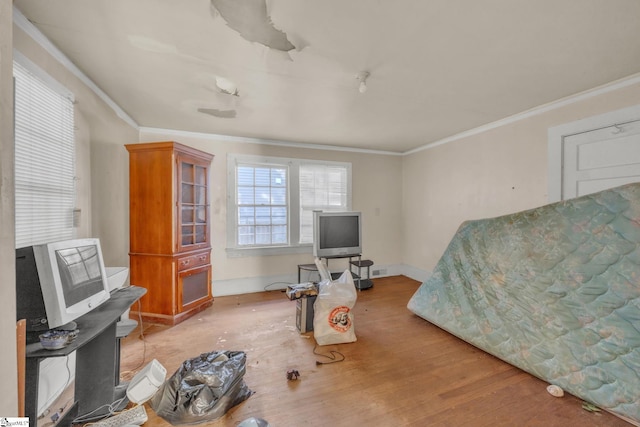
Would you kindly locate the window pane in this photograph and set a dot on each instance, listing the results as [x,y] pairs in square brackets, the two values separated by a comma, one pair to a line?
[246,235]
[245,196]
[279,234]
[278,196]
[279,216]
[246,216]
[262,201]
[338,200]
[322,187]
[245,176]
[279,177]
[306,232]
[263,235]
[264,188]
[263,177]
[263,216]
[263,196]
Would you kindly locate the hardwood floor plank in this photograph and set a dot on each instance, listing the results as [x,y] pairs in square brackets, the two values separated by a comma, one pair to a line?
[401,371]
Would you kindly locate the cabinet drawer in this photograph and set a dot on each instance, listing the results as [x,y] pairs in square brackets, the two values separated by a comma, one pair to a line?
[191,261]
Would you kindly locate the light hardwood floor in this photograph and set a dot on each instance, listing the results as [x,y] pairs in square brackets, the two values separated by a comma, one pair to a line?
[402,371]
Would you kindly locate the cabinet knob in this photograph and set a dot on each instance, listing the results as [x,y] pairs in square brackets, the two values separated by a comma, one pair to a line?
[203,257]
[185,262]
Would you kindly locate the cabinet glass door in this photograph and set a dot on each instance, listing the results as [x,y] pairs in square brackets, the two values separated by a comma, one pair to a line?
[194,209]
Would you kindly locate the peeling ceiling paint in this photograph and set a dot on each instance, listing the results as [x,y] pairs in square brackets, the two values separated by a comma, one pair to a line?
[439,68]
[226,86]
[251,20]
[222,114]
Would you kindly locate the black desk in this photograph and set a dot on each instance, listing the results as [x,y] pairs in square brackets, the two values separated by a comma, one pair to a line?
[97,358]
[359,282]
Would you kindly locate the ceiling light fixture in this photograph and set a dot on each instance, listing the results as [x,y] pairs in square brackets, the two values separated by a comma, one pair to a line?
[362,76]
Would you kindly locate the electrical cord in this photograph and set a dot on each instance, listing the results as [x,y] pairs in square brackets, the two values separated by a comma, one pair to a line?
[47,412]
[141,336]
[266,288]
[112,407]
[334,356]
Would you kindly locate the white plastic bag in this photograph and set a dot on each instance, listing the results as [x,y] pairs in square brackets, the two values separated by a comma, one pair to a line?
[333,314]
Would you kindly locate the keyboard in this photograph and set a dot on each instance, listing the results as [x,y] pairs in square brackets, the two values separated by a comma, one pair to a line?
[134,416]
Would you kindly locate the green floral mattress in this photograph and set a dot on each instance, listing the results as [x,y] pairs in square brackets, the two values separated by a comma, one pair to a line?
[554,291]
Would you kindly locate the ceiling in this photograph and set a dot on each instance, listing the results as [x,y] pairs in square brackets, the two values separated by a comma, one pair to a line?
[287,70]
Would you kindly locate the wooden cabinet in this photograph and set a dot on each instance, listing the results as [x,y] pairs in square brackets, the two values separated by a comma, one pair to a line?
[169,230]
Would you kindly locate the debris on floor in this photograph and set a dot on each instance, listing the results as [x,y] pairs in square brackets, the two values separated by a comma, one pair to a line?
[292,375]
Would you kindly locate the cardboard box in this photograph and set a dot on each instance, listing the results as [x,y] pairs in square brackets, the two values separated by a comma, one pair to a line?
[304,313]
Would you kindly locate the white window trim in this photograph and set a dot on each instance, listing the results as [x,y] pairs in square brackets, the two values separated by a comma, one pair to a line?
[293,195]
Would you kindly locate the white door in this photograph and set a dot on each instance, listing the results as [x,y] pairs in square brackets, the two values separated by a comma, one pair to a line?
[601,159]
[594,154]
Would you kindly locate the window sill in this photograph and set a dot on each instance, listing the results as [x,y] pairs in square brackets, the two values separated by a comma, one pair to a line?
[268,251]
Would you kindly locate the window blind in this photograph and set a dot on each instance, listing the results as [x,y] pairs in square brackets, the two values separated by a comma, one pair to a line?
[262,205]
[271,201]
[322,187]
[44,160]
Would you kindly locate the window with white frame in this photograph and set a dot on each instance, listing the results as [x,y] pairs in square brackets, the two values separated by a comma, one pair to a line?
[322,187]
[44,157]
[261,202]
[271,201]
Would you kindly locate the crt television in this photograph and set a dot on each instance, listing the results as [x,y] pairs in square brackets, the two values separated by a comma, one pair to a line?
[337,234]
[58,282]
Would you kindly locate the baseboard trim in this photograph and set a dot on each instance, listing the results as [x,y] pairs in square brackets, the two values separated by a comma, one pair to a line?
[249,285]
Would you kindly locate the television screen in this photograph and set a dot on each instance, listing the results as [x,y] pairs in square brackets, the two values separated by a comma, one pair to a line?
[80,273]
[339,232]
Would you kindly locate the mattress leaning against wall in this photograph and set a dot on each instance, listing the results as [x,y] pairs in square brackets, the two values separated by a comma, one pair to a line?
[554,291]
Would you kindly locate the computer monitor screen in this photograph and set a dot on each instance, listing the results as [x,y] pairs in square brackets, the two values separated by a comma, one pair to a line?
[58,282]
[80,273]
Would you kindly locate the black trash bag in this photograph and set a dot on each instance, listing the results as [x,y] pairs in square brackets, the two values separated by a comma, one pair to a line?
[203,388]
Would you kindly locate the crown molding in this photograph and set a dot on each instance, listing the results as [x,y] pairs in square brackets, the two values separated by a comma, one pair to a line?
[554,105]
[263,141]
[25,25]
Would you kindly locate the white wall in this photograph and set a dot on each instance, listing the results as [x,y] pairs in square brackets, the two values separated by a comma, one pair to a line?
[8,360]
[100,135]
[97,126]
[412,205]
[492,173]
[376,180]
